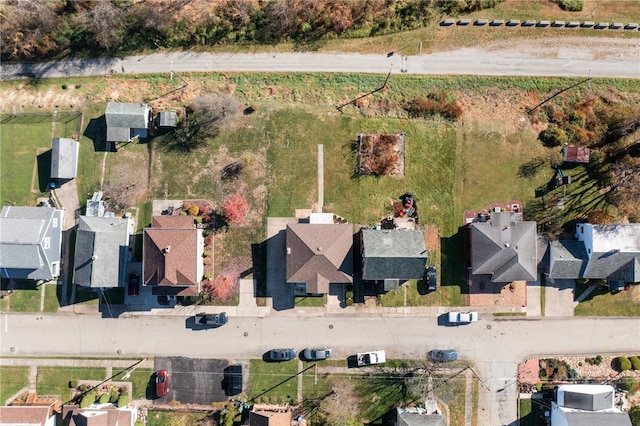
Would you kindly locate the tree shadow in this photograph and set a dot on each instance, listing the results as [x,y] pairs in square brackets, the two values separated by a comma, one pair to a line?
[97,131]
[259,269]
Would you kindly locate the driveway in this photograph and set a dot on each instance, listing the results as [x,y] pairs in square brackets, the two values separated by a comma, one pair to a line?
[193,381]
[558,301]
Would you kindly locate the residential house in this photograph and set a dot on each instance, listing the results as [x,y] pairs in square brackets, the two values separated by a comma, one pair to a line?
[575,154]
[102,251]
[127,121]
[392,256]
[30,242]
[429,415]
[272,415]
[608,252]
[586,405]
[504,247]
[173,251]
[64,158]
[99,415]
[28,415]
[319,253]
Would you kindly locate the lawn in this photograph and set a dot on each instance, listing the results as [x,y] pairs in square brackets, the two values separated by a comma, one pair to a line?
[601,302]
[140,379]
[55,380]
[168,418]
[274,382]
[51,303]
[302,301]
[25,297]
[12,379]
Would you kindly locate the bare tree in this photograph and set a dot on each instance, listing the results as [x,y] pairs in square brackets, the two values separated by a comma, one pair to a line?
[28,26]
[105,20]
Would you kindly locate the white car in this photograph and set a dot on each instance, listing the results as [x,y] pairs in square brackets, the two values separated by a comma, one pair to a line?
[456,317]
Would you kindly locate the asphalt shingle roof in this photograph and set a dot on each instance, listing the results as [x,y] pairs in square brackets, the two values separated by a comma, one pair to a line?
[569,259]
[64,158]
[393,254]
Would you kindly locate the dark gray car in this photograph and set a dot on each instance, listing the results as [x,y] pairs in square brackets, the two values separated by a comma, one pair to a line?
[443,355]
[281,354]
[432,278]
[212,320]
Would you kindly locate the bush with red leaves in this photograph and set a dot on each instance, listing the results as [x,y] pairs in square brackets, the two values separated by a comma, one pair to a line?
[234,209]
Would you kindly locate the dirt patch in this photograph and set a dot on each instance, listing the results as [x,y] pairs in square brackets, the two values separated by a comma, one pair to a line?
[128,181]
[432,238]
[482,292]
[380,154]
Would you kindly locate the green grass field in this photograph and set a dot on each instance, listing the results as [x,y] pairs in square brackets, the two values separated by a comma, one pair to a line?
[140,379]
[12,379]
[273,382]
[55,380]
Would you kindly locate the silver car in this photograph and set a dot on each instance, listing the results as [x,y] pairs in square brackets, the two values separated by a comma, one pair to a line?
[316,354]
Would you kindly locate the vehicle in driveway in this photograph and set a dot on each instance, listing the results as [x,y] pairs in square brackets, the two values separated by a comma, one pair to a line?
[232,380]
[432,278]
[370,358]
[212,320]
[443,355]
[456,317]
[162,383]
[133,285]
[281,354]
[316,354]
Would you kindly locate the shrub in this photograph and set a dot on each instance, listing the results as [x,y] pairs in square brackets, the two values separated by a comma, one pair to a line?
[113,398]
[83,387]
[206,253]
[193,210]
[623,363]
[635,416]
[207,275]
[123,401]
[206,232]
[349,302]
[88,399]
[64,87]
[571,5]
[635,362]
[553,136]
[104,398]
[198,219]
[629,384]
[73,384]
[349,294]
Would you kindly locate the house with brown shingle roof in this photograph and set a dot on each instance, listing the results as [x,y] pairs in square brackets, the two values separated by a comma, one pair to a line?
[319,254]
[271,415]
[575,154]
[43,415]
[172,256]
[104,415]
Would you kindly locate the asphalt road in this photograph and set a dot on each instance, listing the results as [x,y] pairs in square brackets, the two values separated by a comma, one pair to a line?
[495,345]
[470,61]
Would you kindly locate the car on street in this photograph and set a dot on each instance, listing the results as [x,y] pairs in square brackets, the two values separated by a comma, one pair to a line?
[432,278]
[212,320]
[316,354]
[281,354]
[162,383]
[133,285]
[232,380]
[456,317]
[443,355]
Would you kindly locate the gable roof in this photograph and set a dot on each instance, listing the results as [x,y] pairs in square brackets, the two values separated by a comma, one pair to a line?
[575,154]
[103,416]
[181,222]
[101,250]
[172,258]
[614,266]
[393,254]
[25,415]
[568,259]
[121,117]
[504,248]
[582,418]
[30,241]
[319,254]
[64,158]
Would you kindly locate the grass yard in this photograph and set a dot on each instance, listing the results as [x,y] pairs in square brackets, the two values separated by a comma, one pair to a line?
[140,379]
[317,301]
[452,392]
[51,303]
[273,382]
[170,418]
[55,380]
[410,294]
[25,297]
[12,379]
[603,303]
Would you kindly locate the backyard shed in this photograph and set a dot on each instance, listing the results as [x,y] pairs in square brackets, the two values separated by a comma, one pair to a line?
[64,158]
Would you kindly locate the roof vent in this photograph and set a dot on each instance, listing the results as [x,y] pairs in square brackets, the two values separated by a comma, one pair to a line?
[507,245]
[166,250]
[288,250]
[94,257]
[319,249]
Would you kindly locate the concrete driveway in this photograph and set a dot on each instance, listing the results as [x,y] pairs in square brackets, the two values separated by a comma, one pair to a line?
[558,301]
[193,381]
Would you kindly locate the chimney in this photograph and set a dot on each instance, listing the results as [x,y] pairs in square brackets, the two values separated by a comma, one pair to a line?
[166,250]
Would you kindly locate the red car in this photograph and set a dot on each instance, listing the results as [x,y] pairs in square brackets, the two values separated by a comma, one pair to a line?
[162,383]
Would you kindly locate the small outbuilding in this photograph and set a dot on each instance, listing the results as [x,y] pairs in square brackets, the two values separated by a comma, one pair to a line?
[167,119]
[64,158]
[575,154]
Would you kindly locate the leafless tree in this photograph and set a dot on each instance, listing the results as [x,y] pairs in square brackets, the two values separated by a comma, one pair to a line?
[27,27]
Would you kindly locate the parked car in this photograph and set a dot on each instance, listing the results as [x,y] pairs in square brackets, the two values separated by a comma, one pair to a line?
[316,354]
[232,381]
[162,383]
[370,358]
[212,320]
[281,354]
[133,286]
[432,278]
[443,355]
[462,317]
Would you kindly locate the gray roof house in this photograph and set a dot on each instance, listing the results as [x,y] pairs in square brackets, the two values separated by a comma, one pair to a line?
[30,242]
[126,121]
[429,415]
[319,254]
[392,255]
[64,158]
[102,252]
[587,405]
[609,252]
[504,247]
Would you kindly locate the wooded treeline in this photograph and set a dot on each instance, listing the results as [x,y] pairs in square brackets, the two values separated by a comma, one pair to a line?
[36,29]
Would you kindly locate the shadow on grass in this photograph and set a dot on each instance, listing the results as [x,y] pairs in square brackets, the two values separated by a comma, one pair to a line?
[264,358]
[454,255]
[44,170]
[97,131]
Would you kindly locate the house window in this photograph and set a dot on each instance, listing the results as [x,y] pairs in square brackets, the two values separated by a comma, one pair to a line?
[582,229]
[55,269]
[46,243]
[588,251]
[55,222]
